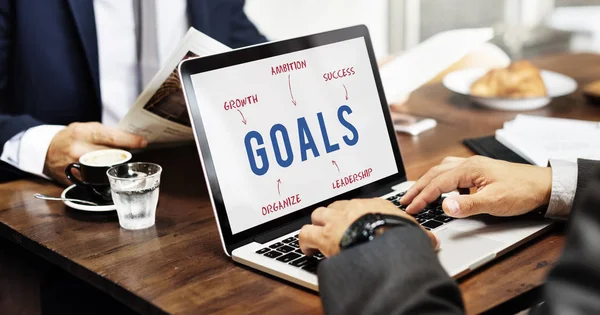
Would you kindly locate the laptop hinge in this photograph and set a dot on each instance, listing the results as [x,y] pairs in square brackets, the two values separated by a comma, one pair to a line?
[283,230]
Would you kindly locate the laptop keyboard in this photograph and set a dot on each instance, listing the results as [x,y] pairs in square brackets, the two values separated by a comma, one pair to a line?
[288,250]
[431,217]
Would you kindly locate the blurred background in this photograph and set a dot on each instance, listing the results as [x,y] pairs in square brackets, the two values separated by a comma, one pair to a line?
[523,28]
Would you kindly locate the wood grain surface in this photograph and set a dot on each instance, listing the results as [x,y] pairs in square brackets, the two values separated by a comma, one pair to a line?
[179,265]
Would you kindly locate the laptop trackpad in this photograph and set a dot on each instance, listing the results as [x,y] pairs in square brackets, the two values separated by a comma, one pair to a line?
[461,249]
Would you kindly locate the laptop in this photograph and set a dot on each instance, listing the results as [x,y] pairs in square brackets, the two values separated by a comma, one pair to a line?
[285,127]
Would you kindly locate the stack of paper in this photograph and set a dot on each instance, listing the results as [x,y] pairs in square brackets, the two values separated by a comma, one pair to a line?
[538,139]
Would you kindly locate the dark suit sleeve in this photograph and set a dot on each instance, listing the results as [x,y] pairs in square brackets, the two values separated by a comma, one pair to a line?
[397,273]
[10,125]
[573,286]
[585,174]
[243,31]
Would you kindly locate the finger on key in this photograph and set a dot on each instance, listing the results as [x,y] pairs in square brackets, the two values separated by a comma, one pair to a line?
[425,180]
[310,239]
[446,182]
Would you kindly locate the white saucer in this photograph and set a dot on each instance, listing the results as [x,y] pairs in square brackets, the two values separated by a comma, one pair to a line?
[83,207]
[557,85]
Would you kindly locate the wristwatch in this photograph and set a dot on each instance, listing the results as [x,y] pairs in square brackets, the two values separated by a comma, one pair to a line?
[365,228]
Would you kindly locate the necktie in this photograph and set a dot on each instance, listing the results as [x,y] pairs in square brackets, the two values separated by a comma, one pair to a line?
[146,39]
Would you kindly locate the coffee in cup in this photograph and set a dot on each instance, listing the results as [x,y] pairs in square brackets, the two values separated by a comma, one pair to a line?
[93,166]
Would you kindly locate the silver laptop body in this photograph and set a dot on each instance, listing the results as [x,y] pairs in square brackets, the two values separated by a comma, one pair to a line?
[233,104]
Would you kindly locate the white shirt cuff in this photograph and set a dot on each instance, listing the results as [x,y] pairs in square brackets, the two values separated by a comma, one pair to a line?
[564,185]
[32,148]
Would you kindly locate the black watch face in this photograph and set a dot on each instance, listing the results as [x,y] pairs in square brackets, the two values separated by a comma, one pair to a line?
[350,236]
[358,232]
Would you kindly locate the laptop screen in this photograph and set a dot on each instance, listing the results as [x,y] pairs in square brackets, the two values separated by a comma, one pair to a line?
[288,131]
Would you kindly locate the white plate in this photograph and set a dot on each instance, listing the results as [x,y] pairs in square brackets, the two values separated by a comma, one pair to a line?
[556,84]
[83,207]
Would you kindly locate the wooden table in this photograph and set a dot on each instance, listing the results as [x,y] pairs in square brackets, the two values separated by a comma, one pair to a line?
[179,266]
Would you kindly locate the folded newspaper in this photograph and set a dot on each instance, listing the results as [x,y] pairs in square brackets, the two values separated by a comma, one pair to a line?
[159,113]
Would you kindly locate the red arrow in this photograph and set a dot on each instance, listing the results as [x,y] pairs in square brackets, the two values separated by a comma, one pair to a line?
[345,89]
[291,94]
[243,118]
[278,183]
[335,163]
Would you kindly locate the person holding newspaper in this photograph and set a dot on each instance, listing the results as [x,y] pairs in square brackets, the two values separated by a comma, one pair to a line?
[67,79]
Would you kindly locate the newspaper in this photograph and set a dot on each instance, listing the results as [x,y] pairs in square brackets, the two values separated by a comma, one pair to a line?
[159,113]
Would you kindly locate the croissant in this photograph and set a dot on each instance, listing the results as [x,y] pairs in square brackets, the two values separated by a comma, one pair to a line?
[520,79]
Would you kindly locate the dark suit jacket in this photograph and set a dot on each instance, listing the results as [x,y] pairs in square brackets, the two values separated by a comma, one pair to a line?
[399,273]
[49,59]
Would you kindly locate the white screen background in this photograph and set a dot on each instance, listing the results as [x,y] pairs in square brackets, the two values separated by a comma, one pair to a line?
[244,193]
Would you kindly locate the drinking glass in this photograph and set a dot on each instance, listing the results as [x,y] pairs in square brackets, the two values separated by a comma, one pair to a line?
[134,189]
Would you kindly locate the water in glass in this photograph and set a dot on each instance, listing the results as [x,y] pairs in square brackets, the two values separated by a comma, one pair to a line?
[137,208]
[135,191]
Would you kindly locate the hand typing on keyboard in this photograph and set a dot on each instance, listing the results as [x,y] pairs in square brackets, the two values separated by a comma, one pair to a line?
[430,217]
[502,188]
[288,251]
[329,224]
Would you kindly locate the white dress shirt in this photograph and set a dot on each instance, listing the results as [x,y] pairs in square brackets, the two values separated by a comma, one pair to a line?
[564,186]
[117,58]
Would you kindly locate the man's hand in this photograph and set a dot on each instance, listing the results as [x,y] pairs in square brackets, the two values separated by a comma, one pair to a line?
[329,224]
[80,138]
[502,188]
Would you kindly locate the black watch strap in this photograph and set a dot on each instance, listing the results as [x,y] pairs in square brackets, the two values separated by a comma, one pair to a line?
[394,220]
[365,227]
